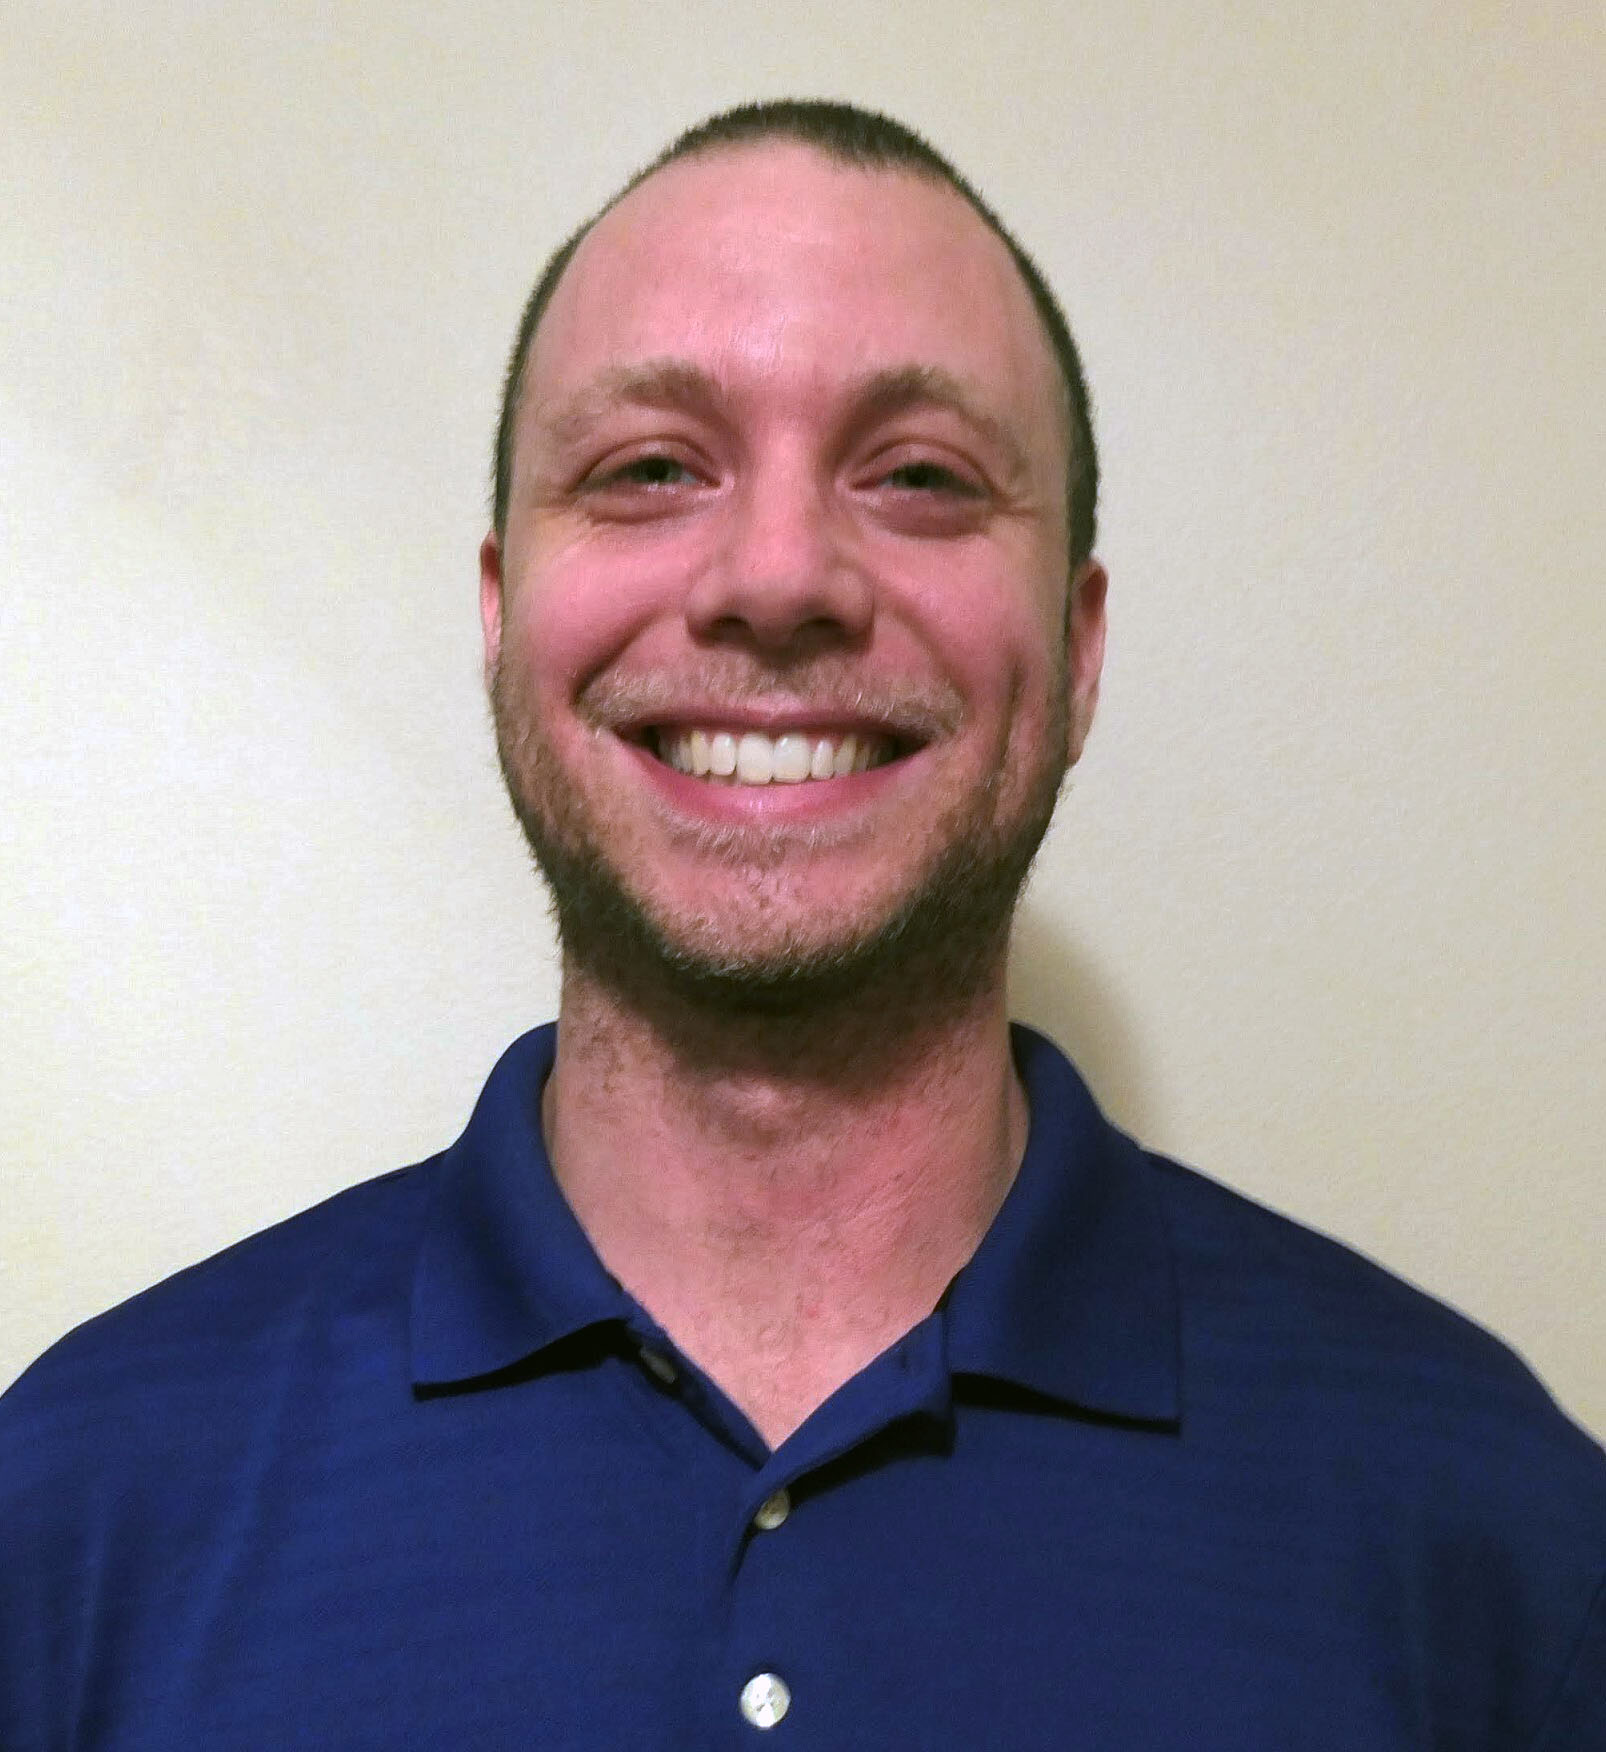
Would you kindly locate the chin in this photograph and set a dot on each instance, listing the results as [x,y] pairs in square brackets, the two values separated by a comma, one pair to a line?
[758,939]
[924,950]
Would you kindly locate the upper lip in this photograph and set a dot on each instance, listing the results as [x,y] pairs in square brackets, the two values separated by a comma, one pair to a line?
[909,718]
[771,722]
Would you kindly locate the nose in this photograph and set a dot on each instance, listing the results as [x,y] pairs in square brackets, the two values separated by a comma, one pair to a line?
[782,578]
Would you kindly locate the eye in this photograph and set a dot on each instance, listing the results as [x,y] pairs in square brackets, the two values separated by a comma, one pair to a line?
[924,476]
[652,470]
[925,490]
[645,485]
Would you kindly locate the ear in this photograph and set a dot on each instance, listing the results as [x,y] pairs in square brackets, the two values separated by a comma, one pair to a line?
[491,602]
[1084,651]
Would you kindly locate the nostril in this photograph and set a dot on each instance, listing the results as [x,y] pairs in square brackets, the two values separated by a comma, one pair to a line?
[792,639]
[780,588]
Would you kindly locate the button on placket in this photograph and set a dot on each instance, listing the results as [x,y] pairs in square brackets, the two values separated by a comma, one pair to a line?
[773,1510]
[766,1698]
[659,1367]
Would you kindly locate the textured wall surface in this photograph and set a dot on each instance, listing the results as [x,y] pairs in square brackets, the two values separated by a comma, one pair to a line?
[1323,910]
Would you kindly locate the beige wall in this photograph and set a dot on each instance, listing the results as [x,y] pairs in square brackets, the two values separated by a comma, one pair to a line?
[1323,913]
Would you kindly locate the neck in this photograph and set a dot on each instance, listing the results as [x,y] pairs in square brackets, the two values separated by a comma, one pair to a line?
[786,1195]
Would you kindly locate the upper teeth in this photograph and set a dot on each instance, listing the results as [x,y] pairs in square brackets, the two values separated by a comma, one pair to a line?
[756,759]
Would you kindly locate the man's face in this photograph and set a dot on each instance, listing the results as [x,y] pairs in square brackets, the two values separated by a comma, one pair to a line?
[788,490]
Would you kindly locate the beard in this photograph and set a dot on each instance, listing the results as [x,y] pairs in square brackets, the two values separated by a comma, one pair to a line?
[930,949]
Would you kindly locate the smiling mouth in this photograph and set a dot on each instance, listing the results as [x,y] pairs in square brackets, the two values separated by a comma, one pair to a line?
[749,757]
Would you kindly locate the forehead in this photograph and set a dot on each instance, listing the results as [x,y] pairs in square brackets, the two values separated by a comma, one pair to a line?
[776,265]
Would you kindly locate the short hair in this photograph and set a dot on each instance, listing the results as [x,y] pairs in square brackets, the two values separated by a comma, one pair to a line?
[866,140]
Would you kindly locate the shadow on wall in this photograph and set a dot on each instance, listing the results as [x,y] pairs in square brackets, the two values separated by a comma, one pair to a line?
[1055,987]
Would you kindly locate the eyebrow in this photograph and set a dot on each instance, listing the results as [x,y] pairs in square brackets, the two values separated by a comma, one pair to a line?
[676,383]
[901,388]
[653,383]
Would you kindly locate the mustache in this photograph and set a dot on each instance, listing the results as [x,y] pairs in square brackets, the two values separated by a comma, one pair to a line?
[918,711]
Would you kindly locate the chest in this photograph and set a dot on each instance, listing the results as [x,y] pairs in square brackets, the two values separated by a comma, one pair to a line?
[591,1565]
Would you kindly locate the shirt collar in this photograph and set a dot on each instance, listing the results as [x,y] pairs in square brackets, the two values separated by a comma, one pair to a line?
[504,1270]
[1071,1293]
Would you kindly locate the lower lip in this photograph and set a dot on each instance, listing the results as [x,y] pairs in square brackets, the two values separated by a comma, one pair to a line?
[809,799]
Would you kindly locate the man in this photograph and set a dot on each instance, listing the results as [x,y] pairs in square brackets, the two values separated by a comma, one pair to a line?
[787,1347]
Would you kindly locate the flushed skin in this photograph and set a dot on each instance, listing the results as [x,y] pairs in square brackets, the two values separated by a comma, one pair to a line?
[790,456]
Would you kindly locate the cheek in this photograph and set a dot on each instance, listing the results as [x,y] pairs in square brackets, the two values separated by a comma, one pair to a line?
[999,639]
[579,604]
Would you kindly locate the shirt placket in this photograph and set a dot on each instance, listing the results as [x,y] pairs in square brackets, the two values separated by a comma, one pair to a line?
[771,1683]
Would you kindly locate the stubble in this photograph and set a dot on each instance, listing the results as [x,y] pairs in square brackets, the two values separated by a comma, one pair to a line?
[926,954]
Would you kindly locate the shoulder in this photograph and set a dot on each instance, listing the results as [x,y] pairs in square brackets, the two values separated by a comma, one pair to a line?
[1372,1422]
[1259,1285]
[183,1347]
[1432,1425]
[311,1313]
[135,1451]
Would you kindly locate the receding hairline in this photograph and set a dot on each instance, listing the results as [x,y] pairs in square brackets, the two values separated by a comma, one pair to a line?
[851,139]
[904,383]
[748,146]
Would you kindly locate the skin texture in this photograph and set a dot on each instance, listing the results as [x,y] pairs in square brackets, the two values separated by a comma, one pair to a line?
[790,456]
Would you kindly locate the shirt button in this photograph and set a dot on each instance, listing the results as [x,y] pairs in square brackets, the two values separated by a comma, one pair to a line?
[657,1364]
[765,1699]
[773,1511]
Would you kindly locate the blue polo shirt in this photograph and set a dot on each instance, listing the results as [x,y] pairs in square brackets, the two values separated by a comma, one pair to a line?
[1163,1470]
